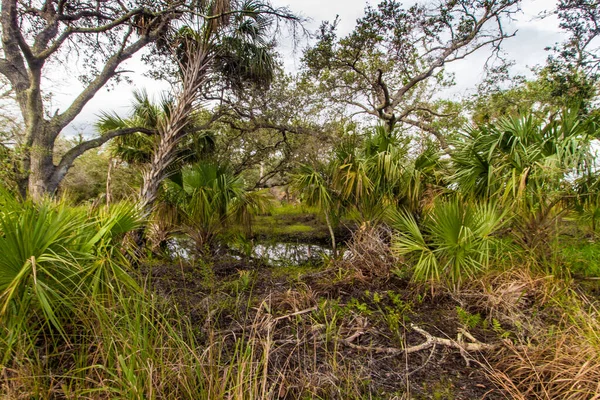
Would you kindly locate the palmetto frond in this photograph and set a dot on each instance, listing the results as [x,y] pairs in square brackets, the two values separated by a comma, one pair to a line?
[315,187]
[516,153]
[454,242]
[53,256]
[209,198]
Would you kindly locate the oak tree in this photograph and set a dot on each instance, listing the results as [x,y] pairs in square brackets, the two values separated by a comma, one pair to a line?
[42,34]
[393,61]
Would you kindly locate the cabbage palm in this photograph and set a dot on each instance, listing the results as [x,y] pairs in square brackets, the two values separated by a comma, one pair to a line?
[208,199]
[527,163]
[519,152]
[454,241]
[316,187]
[136,148]
[229,45]
[368,178]
[381,173]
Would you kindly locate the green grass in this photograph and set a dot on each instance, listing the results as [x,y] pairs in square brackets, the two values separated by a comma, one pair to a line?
[286,219]
[582,257]
[271,227]
[294,272]
[290,209]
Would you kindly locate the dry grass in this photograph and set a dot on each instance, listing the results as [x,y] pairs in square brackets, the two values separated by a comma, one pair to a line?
[282,353]
[554,350]
[564,364]
[518,299]
[369,253]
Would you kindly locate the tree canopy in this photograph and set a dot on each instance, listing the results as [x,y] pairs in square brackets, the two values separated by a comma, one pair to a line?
[391,63]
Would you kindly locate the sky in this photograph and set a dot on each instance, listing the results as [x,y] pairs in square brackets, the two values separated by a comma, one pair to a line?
[527,49]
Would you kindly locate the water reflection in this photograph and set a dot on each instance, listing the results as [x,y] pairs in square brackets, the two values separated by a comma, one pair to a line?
[275,254]
[290,253]
[180,248]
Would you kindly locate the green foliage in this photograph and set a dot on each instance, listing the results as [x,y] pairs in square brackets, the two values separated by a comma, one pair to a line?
[527,164]
[392,310]
[86,180]
[469,320]
[501,158]
[497,327]
[209,198]
[568,79]
[316,187]
[364,178]
[54,256]
[453,242]
[582,257]
[137,148]
[375,70]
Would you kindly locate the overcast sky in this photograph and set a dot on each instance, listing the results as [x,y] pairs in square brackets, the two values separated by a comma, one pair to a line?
[527,49]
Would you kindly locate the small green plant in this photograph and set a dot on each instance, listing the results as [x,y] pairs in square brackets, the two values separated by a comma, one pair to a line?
[469,320]
[441,390]
[243,244]
[497,327]
[582,257]
[362,308]
[391,309]
[453,242]
[245,280]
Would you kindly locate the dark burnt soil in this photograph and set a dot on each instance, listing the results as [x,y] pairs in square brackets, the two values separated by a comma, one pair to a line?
[309,349]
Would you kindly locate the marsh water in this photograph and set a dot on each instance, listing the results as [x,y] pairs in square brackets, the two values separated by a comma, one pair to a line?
[271,253]
[278,254]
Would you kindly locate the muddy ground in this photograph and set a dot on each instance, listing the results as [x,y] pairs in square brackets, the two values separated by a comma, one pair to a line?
[312,310]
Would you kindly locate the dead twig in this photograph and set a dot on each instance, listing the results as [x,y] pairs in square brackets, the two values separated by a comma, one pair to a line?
[295,313]
[430,341]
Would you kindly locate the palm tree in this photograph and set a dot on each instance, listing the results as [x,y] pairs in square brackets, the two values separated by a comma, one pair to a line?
[527,163]
[316,187]
[228,42]
[209,199]
[137,149]
[381,173]
[367,178]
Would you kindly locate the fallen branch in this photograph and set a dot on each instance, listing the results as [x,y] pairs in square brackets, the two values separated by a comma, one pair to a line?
[430,341]
[295,313]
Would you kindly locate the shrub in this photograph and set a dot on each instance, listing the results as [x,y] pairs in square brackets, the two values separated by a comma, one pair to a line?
[454,241]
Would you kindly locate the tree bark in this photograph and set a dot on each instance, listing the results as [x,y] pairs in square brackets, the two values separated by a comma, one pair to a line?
[108,182]
[25,55]
[174,127]
[332,234]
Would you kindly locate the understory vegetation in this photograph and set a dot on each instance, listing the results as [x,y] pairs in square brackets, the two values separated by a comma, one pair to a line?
[462,285]
[343,232]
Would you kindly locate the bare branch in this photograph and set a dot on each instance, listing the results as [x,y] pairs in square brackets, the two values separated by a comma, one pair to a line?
[70,156]
[105,75]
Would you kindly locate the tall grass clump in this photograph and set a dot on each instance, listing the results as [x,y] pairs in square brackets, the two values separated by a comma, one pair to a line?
[559,362]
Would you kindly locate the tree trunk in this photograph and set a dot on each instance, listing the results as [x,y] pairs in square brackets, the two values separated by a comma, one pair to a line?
[173,130]
[332,234]
[41,164]
[108,182]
